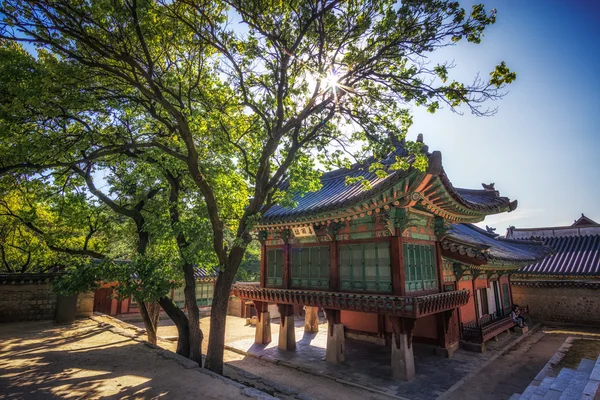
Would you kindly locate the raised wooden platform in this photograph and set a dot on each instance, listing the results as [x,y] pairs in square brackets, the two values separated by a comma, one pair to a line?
[399,306]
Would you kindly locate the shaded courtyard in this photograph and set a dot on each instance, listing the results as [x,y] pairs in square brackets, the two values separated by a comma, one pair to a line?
[39,360]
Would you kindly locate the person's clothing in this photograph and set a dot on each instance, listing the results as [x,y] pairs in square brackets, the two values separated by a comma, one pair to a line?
[518,319]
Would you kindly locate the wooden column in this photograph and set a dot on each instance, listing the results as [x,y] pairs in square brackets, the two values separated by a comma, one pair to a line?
[397,260]
[263,265]
[287,275]
[440,266]
[334,265]
[477,316]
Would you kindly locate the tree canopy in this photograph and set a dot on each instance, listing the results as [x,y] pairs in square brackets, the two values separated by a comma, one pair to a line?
[245,101]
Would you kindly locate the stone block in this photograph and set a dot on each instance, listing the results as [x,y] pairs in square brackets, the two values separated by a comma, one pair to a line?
[336,346]
[287,334]
[447,352]
[263,329]
[521,331]
[311,319]
[403,362]
[474,347]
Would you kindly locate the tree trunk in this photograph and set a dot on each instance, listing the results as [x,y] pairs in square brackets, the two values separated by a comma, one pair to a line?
[181,322]
[150,320]
[195,333]
[218,316]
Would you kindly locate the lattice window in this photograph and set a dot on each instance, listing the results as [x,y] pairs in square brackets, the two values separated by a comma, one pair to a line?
[204,293]
[420,272]
[366,267]
[274,267]
[179,297]
[310,267]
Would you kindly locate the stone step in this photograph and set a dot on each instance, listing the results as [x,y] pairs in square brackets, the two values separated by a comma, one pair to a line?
[586,365]
[595,374]
[575,388]
[552,395]
[544,386]
[529,391]
[592,388]
[515,396]
[562,379]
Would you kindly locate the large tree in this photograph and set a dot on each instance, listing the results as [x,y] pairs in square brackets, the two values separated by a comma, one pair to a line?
[245,94]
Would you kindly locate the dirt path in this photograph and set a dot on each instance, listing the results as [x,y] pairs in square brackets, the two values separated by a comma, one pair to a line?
[86,360]
[512,372]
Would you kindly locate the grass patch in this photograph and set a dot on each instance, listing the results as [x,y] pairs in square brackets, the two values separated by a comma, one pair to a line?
[581,348]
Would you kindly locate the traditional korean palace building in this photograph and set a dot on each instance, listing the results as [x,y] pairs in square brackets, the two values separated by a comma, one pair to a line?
[395,264]
[564,287]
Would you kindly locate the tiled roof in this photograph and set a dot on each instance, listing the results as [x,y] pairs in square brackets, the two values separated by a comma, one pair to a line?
[575,256]
[335,194]
[476,242]
[202,273]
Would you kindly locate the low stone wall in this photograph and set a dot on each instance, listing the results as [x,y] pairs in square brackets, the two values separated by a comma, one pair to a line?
[560,301]
[25,298]
[30,302]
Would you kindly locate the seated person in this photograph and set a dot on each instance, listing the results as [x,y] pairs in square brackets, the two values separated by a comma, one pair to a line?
[516,316]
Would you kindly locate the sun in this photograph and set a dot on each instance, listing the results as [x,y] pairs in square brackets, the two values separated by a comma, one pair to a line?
[330,81]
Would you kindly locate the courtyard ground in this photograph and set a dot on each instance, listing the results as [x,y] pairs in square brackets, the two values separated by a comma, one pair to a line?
[510,370]
[88,361]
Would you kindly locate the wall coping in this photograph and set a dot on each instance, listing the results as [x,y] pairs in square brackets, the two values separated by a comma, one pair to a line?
[27,279]
[574,284]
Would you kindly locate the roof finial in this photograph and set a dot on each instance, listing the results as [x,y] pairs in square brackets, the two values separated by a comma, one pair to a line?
[489,229]
[489,187]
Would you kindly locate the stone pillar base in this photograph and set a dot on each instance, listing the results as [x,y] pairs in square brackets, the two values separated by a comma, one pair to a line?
[336,346]
[403,362]
[311,319]
[287,334]
[475,347]
[521,331]
[446,352]
[263,329]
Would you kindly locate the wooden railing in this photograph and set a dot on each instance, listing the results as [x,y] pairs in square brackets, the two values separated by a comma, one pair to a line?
[400,306]
[487,329]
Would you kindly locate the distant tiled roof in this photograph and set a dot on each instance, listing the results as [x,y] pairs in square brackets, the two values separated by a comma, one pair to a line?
[575,256]
[468,239]
[202,273]
[581,227]
[336,194]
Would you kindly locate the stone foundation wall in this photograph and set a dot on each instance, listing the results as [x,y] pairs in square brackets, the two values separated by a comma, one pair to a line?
[570,303]
[36,301]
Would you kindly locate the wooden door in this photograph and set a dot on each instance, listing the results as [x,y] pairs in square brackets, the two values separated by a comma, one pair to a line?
[102,301]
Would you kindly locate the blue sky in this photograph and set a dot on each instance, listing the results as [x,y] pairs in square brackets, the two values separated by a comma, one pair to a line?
[543,146]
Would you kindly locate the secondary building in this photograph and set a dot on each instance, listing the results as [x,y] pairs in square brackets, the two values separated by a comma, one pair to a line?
[564,287]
